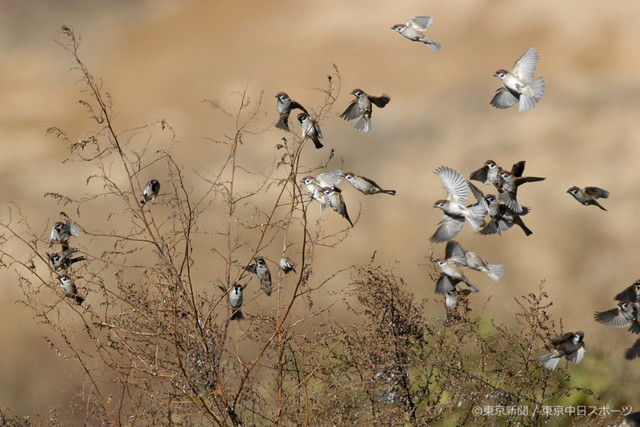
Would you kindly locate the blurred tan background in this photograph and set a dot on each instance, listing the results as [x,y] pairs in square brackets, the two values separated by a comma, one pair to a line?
[160,59]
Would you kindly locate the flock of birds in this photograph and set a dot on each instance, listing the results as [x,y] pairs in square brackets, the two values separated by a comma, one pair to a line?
[488,214]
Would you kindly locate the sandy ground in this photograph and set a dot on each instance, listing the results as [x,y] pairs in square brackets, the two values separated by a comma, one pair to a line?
[160,59]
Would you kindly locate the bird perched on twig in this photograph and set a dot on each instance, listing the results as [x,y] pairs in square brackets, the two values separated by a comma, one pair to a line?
[588,195]
[414,30]
[235,301]
[570,345]
[285,105]
[310,129]
[361,108]
[150,191]
[519,85]
[366,185]
[69,288]
[62,261]
[261,270]
[286,264]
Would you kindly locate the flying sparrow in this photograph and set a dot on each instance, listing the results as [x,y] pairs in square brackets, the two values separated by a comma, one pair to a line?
[61,232]
[334,199]
[310,129]
[630,294]
[455,210]
[502,218]
[287,264]
[451,267]
[150,191]
[361,109]
[235,301]
[476,262]
[627,314]
[366,185]
[508,188]
[488,173]
[570,345]
[588,195]
[285,105]
[62,261]
[261,270]
[414,29]
[519,84]
[69,288]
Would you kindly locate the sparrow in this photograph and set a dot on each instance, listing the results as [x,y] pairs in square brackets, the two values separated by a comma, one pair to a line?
[330,179]
[627,314]
[315,190]
[588,195]
[62,261]
[570,345]
[61,232]
[366,185]
[508,188]
[310,129]
[630,294]
[361,109]
[502,218]
[414,29]
[334,199]
[488,173]
[455,210]
[450,266]
[519,85]
[261,270]
[287,264]
[150,191]
[235,300]
[633,352]
[69,288]
[476,262]
[285,105]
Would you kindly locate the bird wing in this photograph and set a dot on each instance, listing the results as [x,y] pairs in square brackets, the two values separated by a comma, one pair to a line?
[330,179]
[612,318]
[446,284]
[448,228]
[420,23]
[628,295]
[352,111]
[596,192]
[455,253]
[454,183]
[525,67]
[504,98]
[380,101]
[633,352]
[481,175]
[577,355]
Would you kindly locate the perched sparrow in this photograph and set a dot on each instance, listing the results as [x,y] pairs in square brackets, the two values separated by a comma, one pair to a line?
[451,267]
[488,173]
[261,270]
[287,264]
[62,261]
[588,195]
[310,129]
[334,199]
[502,218]
[366,185]
[508,188]
[69,288]
[569,345]
[475,262]
[455,210]
[633,352]
[61,232]
[414,30]
[235,301]
[519,84]
[627,314]
[630,294]
[285,105]
[150,191]
[361,108]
